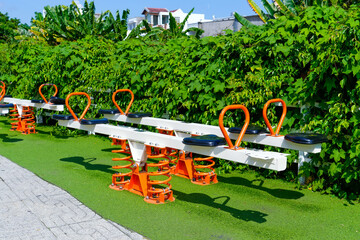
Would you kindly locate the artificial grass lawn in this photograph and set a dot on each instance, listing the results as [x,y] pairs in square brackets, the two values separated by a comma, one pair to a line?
[238,207]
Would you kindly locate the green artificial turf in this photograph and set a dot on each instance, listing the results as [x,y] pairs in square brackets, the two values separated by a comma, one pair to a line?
[240,206]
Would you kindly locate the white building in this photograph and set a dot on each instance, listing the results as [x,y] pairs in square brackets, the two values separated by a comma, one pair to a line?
[133,22]
[159,17]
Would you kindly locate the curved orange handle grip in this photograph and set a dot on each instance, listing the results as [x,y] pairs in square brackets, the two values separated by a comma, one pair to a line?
[130,103]
[70,109]
[276,133]
[2,93]
[47,84]
[243,130]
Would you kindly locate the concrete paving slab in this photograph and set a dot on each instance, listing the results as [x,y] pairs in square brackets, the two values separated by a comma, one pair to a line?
[31,208]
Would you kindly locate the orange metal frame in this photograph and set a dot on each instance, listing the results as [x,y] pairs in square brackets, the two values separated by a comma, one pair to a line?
[3,91]
[130,103]
[276,133]
[70,109]
[47,84]
[24,124]
[185,166]
[243,130]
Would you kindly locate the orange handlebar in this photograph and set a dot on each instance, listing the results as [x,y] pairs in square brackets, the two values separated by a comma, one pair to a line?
[276,133]
[130,103]
[70,109]
[47,84]
[243,130]
[2,93]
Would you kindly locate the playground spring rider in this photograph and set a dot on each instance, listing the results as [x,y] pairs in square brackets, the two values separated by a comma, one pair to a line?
[121,180]
[186,168]
[142,182]
[25,122]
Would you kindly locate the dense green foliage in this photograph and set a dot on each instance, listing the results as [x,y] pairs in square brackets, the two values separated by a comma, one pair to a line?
[288,8]
[8,27]
[72,23]
[311,60]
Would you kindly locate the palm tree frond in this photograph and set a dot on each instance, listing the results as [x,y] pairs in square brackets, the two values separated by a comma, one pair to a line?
[243,21]
[257,10]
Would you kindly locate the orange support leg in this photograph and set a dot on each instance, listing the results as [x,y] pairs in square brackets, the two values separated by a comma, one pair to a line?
[187,169]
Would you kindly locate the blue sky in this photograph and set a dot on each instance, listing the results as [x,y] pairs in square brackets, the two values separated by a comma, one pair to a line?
[25,9]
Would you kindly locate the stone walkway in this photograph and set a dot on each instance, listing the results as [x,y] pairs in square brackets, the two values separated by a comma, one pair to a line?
[31,208]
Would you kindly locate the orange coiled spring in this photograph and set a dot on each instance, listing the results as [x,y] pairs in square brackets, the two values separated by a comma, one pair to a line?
[204,177]
[25,123]
[157,194]
[172,155]
[120,180]
[14,118]
[124,148]
[28,120]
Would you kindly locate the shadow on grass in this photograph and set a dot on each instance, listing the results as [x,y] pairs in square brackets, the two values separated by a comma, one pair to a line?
[110,149]
[87,163]
[200,198]
[279,193]
[5,138]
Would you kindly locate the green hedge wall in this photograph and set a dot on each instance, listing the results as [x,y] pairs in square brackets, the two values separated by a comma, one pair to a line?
[311,60]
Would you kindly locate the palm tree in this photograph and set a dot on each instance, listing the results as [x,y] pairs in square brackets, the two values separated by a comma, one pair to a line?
[72,23]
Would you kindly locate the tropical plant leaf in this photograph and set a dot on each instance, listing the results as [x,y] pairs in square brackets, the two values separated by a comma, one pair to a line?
[290,4]
[243,21]
[268,7]
[146,25]
[196,30]
[284,8]
[172,23]
[258,11]
[182,24]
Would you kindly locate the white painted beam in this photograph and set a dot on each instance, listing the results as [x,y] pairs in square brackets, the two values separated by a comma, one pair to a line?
[28,103]
[4,111]
[202,129]
[137,137]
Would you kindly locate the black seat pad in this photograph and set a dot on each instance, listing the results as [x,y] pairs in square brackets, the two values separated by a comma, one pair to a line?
[6,105]
[251,129]
[93,121]
[37,101]
[109,111]
[9,96]
[57,100]
[306,138]
[9,105]
[62,117]
[205,140]
[139,115]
